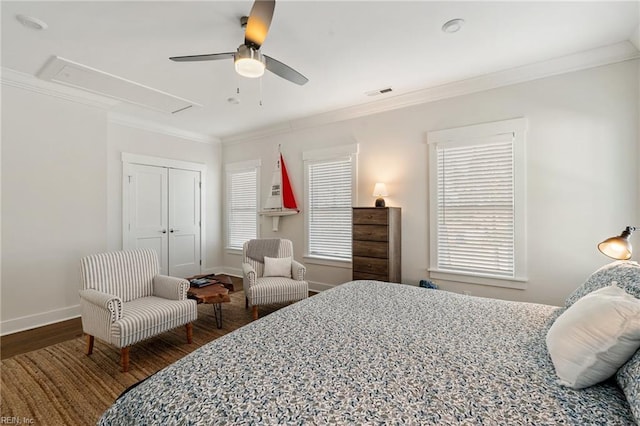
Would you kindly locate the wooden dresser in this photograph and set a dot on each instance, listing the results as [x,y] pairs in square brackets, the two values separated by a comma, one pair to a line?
[376,244]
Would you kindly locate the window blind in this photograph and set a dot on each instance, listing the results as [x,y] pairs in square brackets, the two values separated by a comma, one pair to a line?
[242,207]
[329,195]
[476,207]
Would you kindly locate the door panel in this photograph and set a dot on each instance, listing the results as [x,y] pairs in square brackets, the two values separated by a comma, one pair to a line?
[184,249]
[151,243]
[184,222]
[161,211]
[147,223]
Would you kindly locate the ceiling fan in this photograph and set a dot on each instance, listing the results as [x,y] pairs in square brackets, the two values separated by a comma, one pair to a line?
[248,59]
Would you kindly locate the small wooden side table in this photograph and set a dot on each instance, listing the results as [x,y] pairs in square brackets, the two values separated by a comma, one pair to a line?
[214,294]
[225,280]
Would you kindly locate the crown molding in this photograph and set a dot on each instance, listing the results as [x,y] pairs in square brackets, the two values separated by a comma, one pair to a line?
[152,126]
[21,80]
[619,52]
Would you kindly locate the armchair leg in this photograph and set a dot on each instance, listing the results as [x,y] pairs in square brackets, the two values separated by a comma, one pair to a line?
[124,359]
[255,312]
[246,302]
[89,344]
[189,328]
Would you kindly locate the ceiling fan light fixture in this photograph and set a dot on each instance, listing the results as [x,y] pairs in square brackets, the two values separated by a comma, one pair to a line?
[249,62]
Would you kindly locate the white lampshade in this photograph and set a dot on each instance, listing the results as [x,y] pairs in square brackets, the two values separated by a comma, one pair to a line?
[380,190]
[249,62]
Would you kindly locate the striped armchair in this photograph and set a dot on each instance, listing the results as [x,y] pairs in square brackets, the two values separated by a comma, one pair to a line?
[124,300]
[261,290]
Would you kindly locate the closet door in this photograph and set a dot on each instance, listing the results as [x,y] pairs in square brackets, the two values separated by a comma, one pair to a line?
[184,222]
[145,218]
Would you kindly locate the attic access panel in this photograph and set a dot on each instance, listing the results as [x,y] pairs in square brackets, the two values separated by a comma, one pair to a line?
[72,74]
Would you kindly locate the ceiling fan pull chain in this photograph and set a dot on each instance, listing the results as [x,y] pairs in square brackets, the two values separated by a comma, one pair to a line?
[260,91]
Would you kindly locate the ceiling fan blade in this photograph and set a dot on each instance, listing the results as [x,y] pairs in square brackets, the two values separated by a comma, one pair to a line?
[210,57]
[284,71]
[259,23]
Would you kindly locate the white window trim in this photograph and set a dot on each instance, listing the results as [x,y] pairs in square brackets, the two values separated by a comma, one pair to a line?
[343,151]
[239,167]
[518,128]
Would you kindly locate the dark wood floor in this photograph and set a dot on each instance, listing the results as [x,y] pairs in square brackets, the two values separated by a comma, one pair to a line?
[38,338]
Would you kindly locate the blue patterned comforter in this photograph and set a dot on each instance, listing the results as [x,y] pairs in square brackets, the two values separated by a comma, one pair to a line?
[368,352]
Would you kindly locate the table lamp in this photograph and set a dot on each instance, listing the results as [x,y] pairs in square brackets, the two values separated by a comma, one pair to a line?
[380,190]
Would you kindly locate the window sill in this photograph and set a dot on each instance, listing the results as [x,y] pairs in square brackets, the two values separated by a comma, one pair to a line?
[231,250]
[516,283]
[327,261]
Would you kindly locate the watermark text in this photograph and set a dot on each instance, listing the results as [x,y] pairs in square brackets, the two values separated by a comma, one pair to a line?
[16,420]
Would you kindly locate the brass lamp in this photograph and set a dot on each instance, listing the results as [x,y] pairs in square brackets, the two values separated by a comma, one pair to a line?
[380,190]
[618,247]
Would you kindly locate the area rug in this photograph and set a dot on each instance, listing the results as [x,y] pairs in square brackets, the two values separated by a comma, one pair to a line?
[60,385]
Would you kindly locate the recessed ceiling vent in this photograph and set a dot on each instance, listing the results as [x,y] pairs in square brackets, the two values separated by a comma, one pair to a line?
[379,91]
[63,71]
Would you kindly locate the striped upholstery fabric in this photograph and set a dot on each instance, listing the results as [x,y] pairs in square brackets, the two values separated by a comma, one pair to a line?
[149,316]
[125,274]
[277,290]
[170,287]
[124,300]
[261,290]
[99,311]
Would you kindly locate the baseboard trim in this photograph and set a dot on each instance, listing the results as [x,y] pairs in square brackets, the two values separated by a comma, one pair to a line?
[320,287]
[29,322]
[234,272]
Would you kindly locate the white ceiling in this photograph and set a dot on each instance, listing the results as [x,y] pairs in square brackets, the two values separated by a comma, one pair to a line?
[344,48]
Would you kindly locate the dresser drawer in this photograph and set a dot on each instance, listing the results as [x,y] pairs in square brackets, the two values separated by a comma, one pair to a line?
[376,244]
[370,216]
[370,265]
[370,232]
[371,249]
[366,276]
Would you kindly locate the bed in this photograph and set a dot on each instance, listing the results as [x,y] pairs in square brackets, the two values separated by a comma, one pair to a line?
[368,352]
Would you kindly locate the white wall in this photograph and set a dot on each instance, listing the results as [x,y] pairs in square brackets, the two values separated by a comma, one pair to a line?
[582,161]
[54,203]
[61,174]
[123,138]
[62,199]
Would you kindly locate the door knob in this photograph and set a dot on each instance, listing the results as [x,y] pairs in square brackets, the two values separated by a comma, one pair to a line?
[174,230]
[164,231]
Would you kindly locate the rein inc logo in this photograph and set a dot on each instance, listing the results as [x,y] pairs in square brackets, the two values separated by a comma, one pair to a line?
[15,420]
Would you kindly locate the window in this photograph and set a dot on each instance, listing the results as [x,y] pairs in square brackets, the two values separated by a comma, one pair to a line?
[477,203]
[329,181]
[241,202]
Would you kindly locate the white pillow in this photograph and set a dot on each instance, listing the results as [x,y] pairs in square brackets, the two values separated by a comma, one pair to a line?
[277,267]
[594,337]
